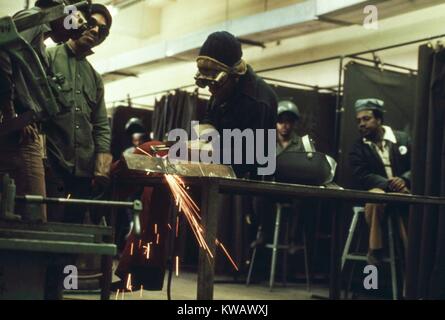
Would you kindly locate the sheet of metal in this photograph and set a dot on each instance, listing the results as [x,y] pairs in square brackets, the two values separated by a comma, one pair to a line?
[63,247]
[186,169]
[45,235]
[58,227]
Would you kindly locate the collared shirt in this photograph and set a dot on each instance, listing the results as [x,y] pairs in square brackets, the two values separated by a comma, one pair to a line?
[384,152]
[76,136]
[295,144]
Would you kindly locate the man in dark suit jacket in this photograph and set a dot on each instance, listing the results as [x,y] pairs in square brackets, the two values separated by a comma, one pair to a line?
[380,161]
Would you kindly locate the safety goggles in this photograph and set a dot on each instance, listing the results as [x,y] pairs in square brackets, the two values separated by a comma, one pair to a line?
[216,80]
[104,30]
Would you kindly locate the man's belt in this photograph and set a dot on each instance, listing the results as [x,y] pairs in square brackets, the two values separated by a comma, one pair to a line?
[16,124]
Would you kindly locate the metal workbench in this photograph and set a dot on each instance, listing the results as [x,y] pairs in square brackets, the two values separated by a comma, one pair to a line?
[213,188]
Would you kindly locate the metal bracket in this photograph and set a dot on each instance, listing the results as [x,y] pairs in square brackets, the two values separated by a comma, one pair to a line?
[137,209]
[7,199]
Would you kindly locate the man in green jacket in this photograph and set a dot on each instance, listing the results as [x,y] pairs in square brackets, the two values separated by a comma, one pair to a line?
[23,88]
[78,142]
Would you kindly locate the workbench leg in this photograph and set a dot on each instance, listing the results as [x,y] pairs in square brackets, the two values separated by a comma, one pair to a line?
[335,272]
[206,265]
[107,272]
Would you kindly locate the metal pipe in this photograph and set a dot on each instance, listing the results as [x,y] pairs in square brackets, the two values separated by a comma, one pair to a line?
[386,64]
[299,64]
[154,93]
[338,109]
[41,200]
[351,55]
[293,65]
[299,84]
[206,95]
[136,205]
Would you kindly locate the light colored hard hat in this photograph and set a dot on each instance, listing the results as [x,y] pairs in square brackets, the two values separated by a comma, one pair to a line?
[288,106]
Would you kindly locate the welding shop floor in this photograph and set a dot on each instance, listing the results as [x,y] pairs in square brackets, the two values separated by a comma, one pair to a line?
[184,288]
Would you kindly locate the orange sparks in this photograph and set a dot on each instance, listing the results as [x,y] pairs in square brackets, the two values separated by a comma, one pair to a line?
[177,226]
[131,249]
[129,286]
[189,208]
[169,226]
[156,228]
[147,250]
[144,152]
[140,243]
[227,254]
[191,211]
[177,266]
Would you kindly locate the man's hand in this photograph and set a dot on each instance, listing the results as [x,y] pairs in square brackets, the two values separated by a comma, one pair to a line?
[29,134]
[397,184]
[102,169]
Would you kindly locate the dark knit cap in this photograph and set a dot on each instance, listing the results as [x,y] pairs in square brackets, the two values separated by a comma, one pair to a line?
[101,9]
[222,46]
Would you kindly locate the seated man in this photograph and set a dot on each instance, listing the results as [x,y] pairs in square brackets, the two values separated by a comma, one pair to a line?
[136,130]
[287,141]
[380,161]
[287,138]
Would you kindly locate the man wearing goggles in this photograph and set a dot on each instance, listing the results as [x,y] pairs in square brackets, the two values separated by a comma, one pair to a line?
[78,142]
[240,99]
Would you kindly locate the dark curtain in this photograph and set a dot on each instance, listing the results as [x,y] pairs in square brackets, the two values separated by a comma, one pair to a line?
[176,110]
[396,89]
[426,251]
[119,139]
[317,115]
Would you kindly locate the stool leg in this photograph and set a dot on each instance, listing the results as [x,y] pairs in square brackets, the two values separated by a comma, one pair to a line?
[285,254]
[306,263]
[358,229]
[349,239]
[252,259]
[275,247]
[392,259]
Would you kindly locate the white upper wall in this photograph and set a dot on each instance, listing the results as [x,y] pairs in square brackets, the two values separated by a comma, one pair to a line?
[151,22]
[411,26]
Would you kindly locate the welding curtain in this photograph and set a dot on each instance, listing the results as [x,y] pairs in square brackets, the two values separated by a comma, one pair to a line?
[426,252]
[396,89]
[176,110]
